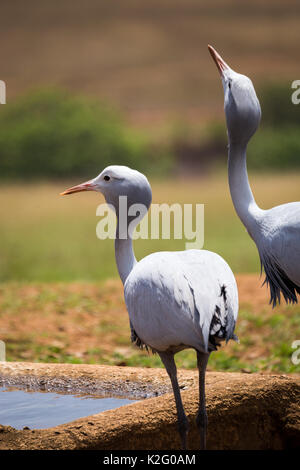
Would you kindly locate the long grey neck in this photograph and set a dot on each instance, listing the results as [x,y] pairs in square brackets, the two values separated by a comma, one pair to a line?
[124,254]
[240,190]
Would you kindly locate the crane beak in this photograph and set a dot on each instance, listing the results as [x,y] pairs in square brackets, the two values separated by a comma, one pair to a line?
[87,186]
[220,63]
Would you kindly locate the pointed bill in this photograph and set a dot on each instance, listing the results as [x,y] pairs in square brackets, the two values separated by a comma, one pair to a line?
[220,63]
[87,186]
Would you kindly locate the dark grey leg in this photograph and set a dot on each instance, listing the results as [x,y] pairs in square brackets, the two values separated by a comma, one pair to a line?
[201,419]
[183,425]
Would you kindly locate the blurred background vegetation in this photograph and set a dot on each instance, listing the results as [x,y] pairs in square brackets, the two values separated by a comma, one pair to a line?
[92,83]
[53,134]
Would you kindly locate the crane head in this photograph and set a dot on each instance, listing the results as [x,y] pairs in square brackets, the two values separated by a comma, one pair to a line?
[241,105]
[116,181]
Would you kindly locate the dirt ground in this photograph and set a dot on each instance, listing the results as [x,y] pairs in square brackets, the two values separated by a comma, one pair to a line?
[88,323]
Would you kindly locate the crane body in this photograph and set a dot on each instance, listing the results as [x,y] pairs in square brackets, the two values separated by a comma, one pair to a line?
[182,299]
[175,300]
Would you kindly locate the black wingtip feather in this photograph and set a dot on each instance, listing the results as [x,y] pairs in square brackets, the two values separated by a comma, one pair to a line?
[278,282]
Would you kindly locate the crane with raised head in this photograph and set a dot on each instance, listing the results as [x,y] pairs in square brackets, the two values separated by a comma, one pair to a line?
[276,231]
[175,300]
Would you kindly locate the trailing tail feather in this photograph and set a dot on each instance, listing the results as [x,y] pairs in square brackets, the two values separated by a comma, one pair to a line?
[278,282]
[230,323]
[222,328]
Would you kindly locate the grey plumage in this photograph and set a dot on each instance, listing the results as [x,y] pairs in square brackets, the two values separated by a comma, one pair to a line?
[276,232]
[175,300]
[172,298]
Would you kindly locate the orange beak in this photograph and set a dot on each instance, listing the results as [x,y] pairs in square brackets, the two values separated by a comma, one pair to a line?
[220,63]
[88,186]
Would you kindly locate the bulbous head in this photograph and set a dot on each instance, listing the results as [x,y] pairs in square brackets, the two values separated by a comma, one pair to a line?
[241,105]
[116,181]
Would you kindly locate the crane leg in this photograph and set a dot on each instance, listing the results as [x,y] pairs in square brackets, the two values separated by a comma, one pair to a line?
[201,418]
[183,425]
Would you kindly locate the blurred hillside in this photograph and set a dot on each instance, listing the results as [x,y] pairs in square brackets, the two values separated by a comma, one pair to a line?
[94,82]
[149,58]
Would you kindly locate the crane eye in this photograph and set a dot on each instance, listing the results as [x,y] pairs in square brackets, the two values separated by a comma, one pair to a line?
[106,178]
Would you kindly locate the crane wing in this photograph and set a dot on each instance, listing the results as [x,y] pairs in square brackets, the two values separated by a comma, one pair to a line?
[280,252]
[181,298]
[215,295]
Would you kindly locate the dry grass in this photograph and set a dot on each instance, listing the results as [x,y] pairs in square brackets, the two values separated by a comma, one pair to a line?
[44,237]
[47,238]
[88,323]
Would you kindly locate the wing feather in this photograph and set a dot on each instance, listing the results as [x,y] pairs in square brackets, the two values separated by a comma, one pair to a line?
[172,297]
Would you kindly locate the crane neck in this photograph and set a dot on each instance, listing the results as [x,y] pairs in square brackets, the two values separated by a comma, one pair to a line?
[240,190]
[124,253]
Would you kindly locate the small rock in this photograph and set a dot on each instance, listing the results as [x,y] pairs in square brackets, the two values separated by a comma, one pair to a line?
[246,371]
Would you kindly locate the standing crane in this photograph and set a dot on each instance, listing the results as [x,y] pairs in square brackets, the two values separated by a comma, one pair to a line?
[276,232]
[175,300]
